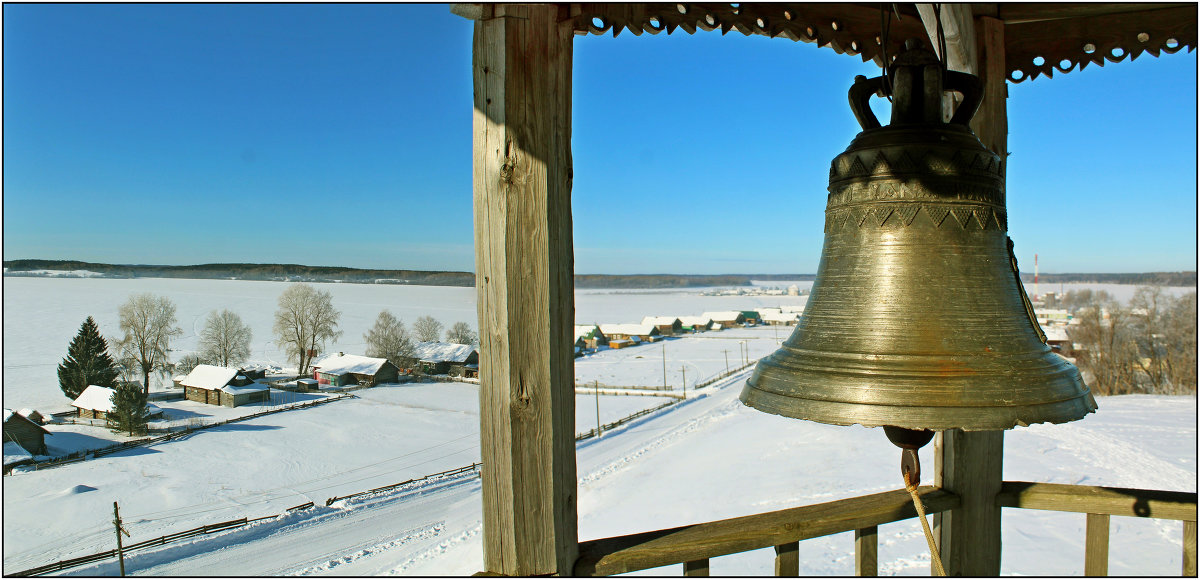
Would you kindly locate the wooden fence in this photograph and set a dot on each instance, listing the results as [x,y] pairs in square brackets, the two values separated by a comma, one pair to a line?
[125,445]
[222,526]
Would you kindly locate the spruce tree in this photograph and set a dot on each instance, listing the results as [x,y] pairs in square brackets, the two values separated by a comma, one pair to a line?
[129,409]
[87,362]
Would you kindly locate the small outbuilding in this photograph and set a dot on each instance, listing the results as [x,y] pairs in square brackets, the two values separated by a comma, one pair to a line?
[589,336]
[222,386]
[727,318]
[441,358]
[95,402]
[695,323]
[643,332]
[352,369]
[781,318]
[666,325]
[22,431]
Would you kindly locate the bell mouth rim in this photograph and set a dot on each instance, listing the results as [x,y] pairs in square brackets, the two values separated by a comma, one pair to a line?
[938,418]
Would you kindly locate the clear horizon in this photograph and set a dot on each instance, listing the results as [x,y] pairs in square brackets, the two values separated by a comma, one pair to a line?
[173,134]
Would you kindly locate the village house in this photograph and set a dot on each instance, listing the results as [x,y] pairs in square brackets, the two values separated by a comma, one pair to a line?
[695,323]
[352,369]
[667,325]
[222,386]
[642,332]
[590,335]
[1058,341]
[95,402]
[23,431]
[781,318]
[726,319]
[752,317]
[441,358]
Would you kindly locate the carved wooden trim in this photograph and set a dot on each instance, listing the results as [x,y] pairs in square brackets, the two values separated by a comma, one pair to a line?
[1071,44]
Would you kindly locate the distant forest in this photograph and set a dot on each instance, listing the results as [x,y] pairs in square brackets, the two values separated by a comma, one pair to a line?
[296,272]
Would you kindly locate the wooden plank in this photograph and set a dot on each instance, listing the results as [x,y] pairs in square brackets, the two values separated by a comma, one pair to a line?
[1189,549]
[696,568]
[991,121]
[958,30]
[1113,501]
[524,267]
[866,551]
[1018,12]
[969,464]
[1095,553]
[621,554]
[787,560]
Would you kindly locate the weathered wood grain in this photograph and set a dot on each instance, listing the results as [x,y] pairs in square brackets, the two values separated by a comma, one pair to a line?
[696,568]
[1113,501]
[787,560]
[866,551]
[524,265]
[991,121]
[970,465]
[622,554]
[1095,552]
[1189,548]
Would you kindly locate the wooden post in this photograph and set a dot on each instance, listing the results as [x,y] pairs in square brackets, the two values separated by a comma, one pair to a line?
[524,279]
[787,560]
[120,530]
[866,551]
[969,464]
[696,568]
[1189,548]
[1095,558]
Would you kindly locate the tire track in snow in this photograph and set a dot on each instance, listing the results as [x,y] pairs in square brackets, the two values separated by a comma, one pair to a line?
[1112,454]
[414,534]
[439,550]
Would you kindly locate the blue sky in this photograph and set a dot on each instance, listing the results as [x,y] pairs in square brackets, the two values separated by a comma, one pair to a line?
[340,135]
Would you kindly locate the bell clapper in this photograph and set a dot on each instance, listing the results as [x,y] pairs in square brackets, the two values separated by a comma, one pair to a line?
[909,441]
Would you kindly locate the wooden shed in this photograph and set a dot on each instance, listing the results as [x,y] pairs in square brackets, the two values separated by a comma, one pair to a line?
[666,325]
[442,358]
[95,402]
[591,336]
[21,430]
[641,332]
[522,72]
[726,318]
[222,386]
[352,369]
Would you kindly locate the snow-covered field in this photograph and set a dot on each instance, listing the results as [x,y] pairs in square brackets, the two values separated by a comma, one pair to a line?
[705,459]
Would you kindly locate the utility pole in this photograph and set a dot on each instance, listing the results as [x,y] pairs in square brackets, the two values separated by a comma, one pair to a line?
[726,361]
[664,366]
[596,388]
[120,530]
[684,371]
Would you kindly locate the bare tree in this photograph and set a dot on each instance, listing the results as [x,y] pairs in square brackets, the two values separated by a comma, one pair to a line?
[427,329]
[1109,353]
[461,333]
[225,339]
[305,320]
[1150,307]
[1181,341]
[389,339]
[148,322]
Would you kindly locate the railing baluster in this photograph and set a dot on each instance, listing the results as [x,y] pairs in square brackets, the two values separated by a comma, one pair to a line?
[1189,548]
[1095,561]
[787,559]
[696,568]
[866,551]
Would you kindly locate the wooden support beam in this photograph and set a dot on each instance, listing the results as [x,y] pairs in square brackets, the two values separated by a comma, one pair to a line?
[969,464]
[524,266]
[866,551]
[958,29]
[991,121]
[696,568]
[787,560]
[1095,552]
[1189,549]
[1090,499]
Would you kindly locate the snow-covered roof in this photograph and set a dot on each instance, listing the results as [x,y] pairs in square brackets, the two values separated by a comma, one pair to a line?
[723,315]
[14,453]
[780,317]
[629,329]
[209,377]
[232,390]
[694,320]
[343,364]
[661,320]
[436,352]
[1058,333]
[95,398]
[582,331]
[26,412]
[792,308]
[8,413]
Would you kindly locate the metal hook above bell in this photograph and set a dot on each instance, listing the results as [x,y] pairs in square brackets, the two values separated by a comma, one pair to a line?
[917,318]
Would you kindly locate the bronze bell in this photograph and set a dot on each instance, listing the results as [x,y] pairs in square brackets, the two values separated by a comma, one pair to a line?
[917,318]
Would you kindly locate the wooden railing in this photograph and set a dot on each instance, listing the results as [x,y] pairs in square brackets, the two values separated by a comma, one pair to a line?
[1100,504]
[694,545]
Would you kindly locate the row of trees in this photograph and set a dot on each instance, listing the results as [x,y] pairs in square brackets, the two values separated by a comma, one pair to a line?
[305,321]
[1147,346]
